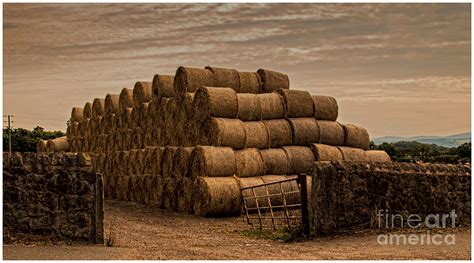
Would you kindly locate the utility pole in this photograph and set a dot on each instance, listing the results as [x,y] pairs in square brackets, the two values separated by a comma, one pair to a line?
[9,123]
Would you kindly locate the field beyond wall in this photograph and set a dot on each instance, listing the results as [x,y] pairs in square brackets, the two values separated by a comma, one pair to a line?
[147,233]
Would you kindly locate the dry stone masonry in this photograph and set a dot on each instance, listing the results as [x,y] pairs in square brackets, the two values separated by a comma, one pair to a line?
[354,195]
[56,196]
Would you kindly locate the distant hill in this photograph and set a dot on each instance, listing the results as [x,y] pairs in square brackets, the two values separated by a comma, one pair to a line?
[446,141]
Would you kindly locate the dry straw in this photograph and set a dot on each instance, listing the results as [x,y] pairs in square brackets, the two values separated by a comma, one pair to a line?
[249,163]
[301,159]
[162,86]
[256,135]
[223,132]
[279,132]
[298,103]
[112,102]
[325,108]
[87,110]
[217,102]
[212,161]
[275,161]
[77,114]
[356,136]
[305,131]
[332,133]
[324,152]
[272,80]
[126,99]
[271,106]
[249,83]
[217,196]
[378,156]
[142,92]
[190,79]
[248,107]
[353,154]
[98,107]
[224,77]
[58,145]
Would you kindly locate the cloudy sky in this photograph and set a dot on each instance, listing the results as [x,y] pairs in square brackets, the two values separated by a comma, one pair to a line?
[396,69]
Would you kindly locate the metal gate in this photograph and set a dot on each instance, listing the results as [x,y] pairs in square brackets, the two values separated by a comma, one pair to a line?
[280,204]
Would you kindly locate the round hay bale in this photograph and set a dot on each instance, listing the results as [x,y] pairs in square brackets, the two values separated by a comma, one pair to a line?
[325,108]
[356,137]
[324,152]
[157,190]
[249,163]
[112,102]
[279,132]
[301,159]
[225,77]
[126,99]
[249,82]
[248,107]
[98,107]
[272,80]
[168,197]
[167,168]
[162,86]
[135,117]
[255,196]
[290,189]
[77,114]
[142,92]
[256,135]
[298,103]
[350,154]
[190,79]
[305,131]
[182,159]
[58,145]
[275,161]
[331,133]
[212,161]
[110,123]
[378,156]
[271,106]
[223,132]
[217,102]
[217,196]
[184,190]
[41,146]
[143,110]
[87,110]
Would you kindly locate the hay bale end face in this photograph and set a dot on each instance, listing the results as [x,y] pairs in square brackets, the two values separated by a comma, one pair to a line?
[217,102]
[325,108]
[272,80]
[190,79]
[126,99]
[162,86]
[112,102]
[77,114]
[356,136]
[142,92]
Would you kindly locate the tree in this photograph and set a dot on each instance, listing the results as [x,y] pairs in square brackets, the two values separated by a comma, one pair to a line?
[24,140]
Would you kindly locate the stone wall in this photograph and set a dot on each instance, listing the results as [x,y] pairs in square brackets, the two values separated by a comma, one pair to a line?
[55,196]
[348,196]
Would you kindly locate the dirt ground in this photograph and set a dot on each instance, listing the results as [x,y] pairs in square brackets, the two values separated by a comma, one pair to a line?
[147,233]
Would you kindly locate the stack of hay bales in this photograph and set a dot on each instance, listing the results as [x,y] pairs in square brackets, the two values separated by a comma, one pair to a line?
[189,142]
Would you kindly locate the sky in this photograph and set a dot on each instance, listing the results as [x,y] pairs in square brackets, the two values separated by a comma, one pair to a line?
[395,69]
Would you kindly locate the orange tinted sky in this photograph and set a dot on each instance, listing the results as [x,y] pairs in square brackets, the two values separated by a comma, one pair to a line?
[396,69]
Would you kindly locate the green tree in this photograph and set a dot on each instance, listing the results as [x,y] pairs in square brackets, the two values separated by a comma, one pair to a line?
[24,140]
